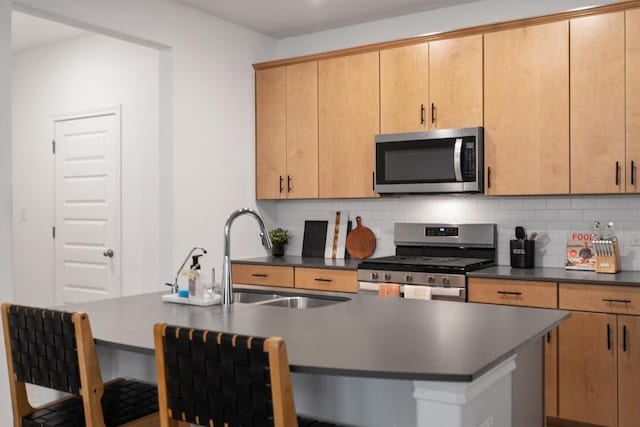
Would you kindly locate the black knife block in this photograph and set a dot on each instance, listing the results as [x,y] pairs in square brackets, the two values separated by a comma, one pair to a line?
[522,253]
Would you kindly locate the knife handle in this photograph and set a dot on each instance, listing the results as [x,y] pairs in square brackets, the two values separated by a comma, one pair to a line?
[617,173]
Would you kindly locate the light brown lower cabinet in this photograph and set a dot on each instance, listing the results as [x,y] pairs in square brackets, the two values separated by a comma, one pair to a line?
[322,279]
[526,294]
[599,355]
[587,371]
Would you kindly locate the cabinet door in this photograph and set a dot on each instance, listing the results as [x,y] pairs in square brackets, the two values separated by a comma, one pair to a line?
[633,99]
[551,374]
[513,292]
[349,104]
[302,130]
[526,110]
[597,104]
[455,82]
[628,370]
[270,133]
[404,88]
[324,279]
[587,374]
[260,274]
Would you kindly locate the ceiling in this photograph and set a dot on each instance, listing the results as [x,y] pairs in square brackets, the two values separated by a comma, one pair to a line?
[286,18]
[28,31]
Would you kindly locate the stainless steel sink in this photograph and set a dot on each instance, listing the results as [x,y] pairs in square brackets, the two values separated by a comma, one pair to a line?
[301,302]
[253,297]
[286,301]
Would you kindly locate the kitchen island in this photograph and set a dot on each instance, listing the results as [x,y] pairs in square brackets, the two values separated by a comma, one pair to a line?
[365,360]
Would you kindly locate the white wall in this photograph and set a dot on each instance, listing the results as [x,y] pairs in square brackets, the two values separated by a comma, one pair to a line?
[84,74]
[5,189]
[207,75]
[439,20]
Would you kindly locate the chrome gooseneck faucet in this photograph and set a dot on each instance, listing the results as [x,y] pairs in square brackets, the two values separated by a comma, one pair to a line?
[227,290]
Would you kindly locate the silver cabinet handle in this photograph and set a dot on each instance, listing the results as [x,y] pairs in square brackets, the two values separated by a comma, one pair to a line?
[108,253]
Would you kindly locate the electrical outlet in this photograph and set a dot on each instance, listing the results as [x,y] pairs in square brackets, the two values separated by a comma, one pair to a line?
[635,239]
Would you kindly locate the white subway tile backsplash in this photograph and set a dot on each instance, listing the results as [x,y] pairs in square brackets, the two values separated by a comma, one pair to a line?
[552,217]
[558,203]
[584,202]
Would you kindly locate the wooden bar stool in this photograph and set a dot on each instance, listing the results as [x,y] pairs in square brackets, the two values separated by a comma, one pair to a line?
[217,379]
[55,349]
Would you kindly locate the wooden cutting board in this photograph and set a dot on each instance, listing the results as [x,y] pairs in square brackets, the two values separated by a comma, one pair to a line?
[361,242]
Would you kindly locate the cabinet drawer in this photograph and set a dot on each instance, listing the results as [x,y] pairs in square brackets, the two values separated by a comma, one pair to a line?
[327,280]
[514,292]
[603,299]
[256,274]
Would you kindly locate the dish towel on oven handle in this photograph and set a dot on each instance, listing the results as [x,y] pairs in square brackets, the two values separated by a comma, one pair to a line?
[417,292]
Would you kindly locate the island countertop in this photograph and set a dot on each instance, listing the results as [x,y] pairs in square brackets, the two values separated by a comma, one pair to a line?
[366,336]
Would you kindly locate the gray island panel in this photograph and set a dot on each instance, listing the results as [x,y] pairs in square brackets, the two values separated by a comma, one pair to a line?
[367,336]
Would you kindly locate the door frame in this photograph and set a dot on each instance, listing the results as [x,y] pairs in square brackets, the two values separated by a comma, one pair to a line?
[115,110]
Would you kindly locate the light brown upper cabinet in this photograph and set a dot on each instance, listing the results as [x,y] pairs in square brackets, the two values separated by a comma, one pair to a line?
[455,82]
[302,130]
[597,60]
[404,88]
[526,110]
[349,99]
[633,99]
[434,85]
[271,146]
[287,132]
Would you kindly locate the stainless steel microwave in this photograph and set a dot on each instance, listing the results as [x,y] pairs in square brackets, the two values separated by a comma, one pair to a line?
[436,161]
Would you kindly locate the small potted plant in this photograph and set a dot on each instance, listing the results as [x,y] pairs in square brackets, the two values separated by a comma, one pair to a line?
[279,238]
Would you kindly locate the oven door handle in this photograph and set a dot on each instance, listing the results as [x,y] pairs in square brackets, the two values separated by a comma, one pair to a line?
[457,159]
[446,292]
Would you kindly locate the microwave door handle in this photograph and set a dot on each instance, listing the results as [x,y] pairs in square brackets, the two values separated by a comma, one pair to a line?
[457,154]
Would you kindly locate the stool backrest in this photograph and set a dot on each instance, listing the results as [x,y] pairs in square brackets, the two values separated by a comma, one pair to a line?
[214,378]
[52,349]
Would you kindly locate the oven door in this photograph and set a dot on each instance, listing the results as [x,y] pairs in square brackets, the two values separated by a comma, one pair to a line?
[428,162]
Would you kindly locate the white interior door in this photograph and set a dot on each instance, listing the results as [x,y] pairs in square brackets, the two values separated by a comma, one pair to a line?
[87,207]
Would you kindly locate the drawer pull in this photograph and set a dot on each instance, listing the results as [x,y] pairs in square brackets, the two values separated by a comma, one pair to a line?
[623,301]
[548,337]
[317,279]
[624,338]
[509,293]
[608,336]
[259,275]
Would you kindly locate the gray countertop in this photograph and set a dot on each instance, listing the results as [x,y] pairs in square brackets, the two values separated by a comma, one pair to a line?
[306,262]
[547,274]
[367,336]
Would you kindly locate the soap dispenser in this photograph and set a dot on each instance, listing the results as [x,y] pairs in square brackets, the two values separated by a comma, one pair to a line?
[194,275]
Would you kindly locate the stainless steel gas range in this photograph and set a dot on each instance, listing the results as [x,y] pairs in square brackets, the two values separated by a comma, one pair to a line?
[434,255]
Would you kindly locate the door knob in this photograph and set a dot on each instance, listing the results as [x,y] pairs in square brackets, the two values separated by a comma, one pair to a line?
[108,253]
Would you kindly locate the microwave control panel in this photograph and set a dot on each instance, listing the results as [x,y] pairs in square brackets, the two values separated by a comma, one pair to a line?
[469,159]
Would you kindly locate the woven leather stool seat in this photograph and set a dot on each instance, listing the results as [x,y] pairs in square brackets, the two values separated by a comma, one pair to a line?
[213,378]
[123,401]
[55,349]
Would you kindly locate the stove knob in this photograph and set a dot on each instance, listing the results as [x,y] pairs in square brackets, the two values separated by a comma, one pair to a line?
[387,276]
[374,276]
[445,280]
[408,278]
[431,279]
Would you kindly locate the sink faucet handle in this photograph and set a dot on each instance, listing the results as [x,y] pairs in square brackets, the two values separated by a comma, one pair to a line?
[174,287]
